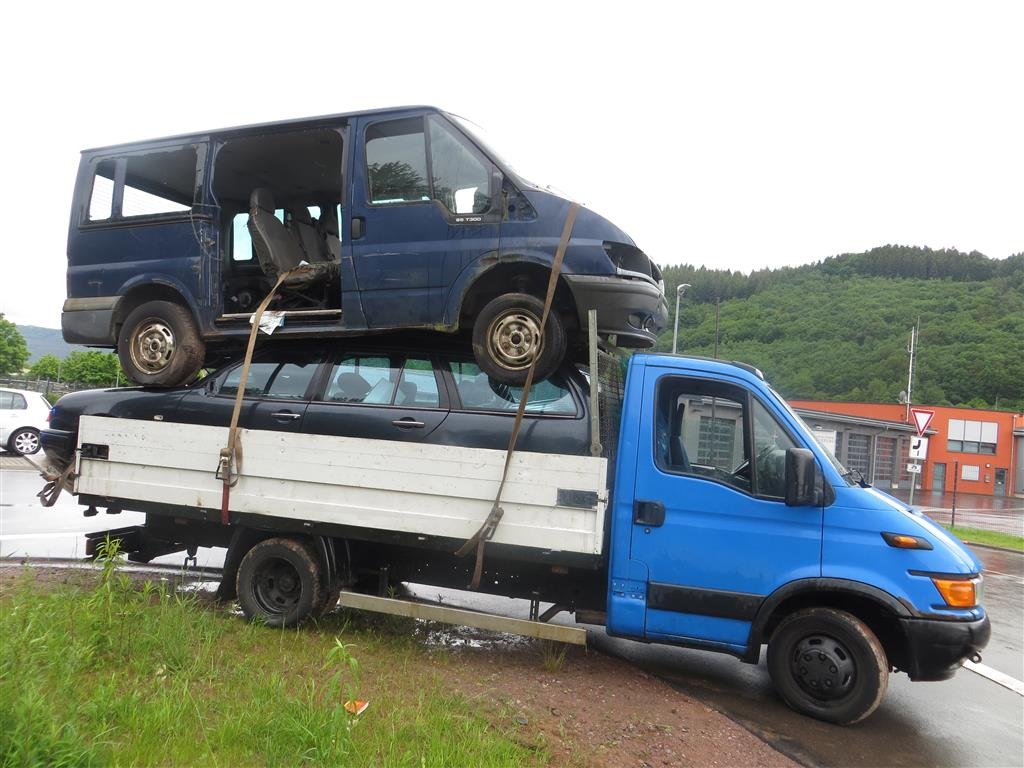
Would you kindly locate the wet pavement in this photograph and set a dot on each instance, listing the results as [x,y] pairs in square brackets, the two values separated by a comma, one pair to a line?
[969,510]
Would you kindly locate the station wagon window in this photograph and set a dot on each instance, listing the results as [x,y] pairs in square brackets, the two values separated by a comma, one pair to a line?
[383,380]
[478,392]
[153,183]
[281,381]
[715,431]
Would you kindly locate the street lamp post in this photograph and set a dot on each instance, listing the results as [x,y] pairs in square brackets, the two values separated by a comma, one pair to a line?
[680,290]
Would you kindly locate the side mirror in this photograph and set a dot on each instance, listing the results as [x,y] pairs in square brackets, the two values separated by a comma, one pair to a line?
[801,475]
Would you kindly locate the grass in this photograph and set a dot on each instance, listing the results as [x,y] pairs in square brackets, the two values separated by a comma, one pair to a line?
[119,674]
[993,538]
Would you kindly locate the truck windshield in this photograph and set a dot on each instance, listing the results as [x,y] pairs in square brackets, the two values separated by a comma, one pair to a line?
[809,433]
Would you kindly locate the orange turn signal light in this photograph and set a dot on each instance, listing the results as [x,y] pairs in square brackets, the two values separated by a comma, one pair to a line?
[958,593]
[905,541]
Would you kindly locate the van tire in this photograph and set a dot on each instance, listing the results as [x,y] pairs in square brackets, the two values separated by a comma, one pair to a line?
[279,583]
[828,664]
[159,345]
[506,339]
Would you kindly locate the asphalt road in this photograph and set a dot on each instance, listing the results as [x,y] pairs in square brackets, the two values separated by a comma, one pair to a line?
[967,721]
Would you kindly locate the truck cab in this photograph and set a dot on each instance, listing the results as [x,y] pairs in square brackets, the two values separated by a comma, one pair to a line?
[732,527]
[394,219]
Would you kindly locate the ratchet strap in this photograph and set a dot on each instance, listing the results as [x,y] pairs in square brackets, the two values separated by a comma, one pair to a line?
[486,531]
[54,483]
[230,462]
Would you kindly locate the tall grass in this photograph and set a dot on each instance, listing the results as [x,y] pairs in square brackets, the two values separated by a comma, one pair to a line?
[123,674]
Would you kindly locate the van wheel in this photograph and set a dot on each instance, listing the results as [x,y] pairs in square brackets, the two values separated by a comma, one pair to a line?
[506,339]
[828,664]
[279,583]
[159,345]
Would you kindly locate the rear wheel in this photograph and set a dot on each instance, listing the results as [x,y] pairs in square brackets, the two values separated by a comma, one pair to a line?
[159,344]
[828,664]
[279,583]
[507,339]
[23,441]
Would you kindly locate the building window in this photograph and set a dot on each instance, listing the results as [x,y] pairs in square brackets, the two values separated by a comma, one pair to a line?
[858,454]
[972,436]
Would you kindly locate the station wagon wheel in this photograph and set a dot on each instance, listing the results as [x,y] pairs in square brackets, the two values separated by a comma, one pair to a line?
[279,583]
[507,339]
[828,664]
[159,345]
[24,441]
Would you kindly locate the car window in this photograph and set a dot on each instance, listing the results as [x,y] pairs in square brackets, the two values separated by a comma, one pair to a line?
[477,391]
[286,381]
[12,401]
[380,380]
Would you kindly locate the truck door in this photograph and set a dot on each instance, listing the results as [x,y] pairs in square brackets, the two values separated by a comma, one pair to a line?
[421,209]
[709,519]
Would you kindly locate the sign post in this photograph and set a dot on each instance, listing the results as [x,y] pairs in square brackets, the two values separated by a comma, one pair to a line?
[918,445]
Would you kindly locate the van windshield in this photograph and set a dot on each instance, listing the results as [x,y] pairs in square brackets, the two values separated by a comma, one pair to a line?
[481,138]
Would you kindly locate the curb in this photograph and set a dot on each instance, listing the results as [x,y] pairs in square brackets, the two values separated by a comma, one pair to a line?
[993,547]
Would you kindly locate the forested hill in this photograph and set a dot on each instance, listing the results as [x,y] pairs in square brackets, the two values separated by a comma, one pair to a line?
[839,329]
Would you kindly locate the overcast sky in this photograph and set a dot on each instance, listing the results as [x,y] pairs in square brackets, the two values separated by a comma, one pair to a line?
[737,135]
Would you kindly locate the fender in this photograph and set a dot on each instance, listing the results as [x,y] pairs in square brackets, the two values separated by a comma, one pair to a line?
[807,586]
[479,269]
[146,280]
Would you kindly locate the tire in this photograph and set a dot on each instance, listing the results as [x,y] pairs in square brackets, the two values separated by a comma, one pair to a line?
[23,441]
[279,583]
[159,345]
[828,664]
[506,339]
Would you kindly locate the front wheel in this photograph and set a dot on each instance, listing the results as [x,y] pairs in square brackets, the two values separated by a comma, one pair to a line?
[507,339]
[279,583]
[24,441]
[159,344]
[828,664]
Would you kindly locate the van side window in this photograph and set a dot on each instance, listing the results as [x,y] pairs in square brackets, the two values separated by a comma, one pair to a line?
[716,431]
[461,178]
[396,161]
[150,184]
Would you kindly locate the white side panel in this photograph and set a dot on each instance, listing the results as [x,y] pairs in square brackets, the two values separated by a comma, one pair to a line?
[432,490]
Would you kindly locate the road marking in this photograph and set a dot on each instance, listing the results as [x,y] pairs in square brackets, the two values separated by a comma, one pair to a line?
[996,676]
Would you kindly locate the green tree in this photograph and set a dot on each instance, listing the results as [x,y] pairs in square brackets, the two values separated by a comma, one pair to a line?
[100,369]
[46,367]
[13,349]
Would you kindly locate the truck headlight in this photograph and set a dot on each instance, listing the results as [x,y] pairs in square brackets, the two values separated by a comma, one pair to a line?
[959,593]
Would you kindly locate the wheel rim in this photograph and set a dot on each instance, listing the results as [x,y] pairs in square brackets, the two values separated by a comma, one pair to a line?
[823,667]
[278,587]
[26,442]
[515,339]
[153,346]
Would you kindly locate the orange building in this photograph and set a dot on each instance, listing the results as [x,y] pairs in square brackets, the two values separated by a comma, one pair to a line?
[983,449]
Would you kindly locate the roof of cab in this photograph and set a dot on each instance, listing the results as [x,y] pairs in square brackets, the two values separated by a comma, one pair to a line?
[744,370]
[298,122]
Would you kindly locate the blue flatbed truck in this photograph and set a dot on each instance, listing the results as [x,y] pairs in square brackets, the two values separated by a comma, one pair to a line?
[727,527]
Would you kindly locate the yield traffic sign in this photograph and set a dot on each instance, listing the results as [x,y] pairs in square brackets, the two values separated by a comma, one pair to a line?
[922,418]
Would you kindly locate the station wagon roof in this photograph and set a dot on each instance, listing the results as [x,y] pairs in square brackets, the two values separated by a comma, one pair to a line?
[293,123]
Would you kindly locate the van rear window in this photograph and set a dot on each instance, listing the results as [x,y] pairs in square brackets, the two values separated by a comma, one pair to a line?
[147,184]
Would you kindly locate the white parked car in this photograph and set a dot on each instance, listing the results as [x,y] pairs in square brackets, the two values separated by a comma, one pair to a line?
[22,415]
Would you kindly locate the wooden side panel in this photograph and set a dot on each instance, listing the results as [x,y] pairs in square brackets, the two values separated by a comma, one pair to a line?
[432,490]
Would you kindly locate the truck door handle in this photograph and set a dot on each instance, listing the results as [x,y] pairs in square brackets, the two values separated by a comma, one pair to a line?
[408,422]
[286,416]
[649,513]
[358,227]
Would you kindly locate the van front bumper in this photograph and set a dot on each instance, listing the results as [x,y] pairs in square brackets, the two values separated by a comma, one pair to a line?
[937,648]
[632,310]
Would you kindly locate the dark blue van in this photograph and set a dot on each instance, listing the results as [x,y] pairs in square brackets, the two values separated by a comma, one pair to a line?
[400,218]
